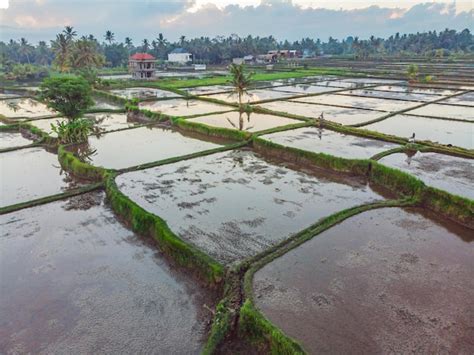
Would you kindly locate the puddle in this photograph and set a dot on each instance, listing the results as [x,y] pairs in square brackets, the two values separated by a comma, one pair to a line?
[233,205]
[302,89]
[123,149]
[211,89]
[447,111]
[325,141]
[464,99]
[407,96]
[253,96]
[180,107]
[143,93]
[445,172]
[12,139]
[414,90]
[444,132]
[24,107]
[359,102]
[388,281]
[82,283]
[252,122]
[30,173]
[345,116]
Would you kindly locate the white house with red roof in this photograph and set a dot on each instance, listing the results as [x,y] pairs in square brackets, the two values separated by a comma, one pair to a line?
[142,66]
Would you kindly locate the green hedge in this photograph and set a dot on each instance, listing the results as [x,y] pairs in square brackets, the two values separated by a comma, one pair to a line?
[146,223]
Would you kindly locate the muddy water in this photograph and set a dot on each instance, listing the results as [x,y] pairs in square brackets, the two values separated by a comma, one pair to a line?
[302,89]
[235,204]
[143,93]
[345,116]
[253,96]
[383,282]
[251,122]
[359,102]
[372,81]
[318,140]
[464,99]
[12,139]
[82,283]
[30,173]
[448,111]
[408,89]
[141,145]
[24,107]
[407,96]
[180,107]
[452,174]
[444,132]
[211,89]
[100,103]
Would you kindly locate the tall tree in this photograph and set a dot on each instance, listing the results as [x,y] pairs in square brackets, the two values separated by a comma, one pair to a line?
[241,82]
[69,32]
[62,50]
[109,36]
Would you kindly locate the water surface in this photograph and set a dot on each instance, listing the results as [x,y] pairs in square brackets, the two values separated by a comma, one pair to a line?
[445,111]
[23,107]
[143,93]
[180,107]
[12,139]
[388,281]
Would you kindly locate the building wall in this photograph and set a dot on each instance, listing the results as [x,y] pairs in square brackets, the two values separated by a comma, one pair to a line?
[180,57]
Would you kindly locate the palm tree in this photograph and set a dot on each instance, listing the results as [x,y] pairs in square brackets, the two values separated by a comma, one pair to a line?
[86,55]
[145,45]
[109,36]
[25,49]
[61,48]
[182,40]
[42,53]
[69,32]
[241,83]
[128,44]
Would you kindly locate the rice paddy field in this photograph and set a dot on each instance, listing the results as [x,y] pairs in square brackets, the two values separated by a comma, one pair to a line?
[334,214]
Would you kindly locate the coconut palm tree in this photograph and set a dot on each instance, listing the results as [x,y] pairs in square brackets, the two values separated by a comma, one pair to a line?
[86,55]
[109,36]
[241,82]
[69,32]
[61,47]
[182,40]
[25,49]
[42,54]
[145,45]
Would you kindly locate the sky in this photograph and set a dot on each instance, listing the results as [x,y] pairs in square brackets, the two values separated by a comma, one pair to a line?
[284,19]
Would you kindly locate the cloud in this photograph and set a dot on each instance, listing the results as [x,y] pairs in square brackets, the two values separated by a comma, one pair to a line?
[284,19]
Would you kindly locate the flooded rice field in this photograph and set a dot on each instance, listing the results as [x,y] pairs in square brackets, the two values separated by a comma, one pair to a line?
[127,148]
[302,89]
[415,90]
[205,90]
[448,173]
[385,281]
[445,111]
[103,122]
[103,104]
[82,283]
[359,102]
[143,93]
[233,205]
[253,96]
[23,107]
[30,173]
[318,140]
[454,133]
[407,96]
[181,107]
[372,81]
[12,139]
[345,116]
[464,99]
[247,121]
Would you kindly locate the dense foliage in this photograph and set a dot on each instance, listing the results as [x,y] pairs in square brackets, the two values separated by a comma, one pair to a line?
[67,53]
[68,94]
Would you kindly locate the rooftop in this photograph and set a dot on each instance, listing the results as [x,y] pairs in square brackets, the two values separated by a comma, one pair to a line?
[142,56]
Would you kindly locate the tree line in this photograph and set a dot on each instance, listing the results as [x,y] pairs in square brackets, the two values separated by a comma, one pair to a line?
[69,51]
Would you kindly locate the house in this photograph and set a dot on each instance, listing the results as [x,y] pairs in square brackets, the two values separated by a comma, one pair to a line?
[249,59]
[238,61]
[142,66]
[180,55]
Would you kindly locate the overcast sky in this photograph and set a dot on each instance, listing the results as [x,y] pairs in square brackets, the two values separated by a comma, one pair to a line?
[284,19]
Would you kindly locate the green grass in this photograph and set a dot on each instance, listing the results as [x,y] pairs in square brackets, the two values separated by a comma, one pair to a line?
[72,164]
[218,132]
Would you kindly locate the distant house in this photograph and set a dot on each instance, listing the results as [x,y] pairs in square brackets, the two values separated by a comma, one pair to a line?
[180,55]
[142,66]
[238,61]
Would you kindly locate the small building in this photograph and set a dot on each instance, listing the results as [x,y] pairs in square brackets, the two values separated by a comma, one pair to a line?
[238,61]
[180,55]
[142,66]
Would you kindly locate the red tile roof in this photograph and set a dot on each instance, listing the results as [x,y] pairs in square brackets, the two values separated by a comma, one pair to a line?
[142,56]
